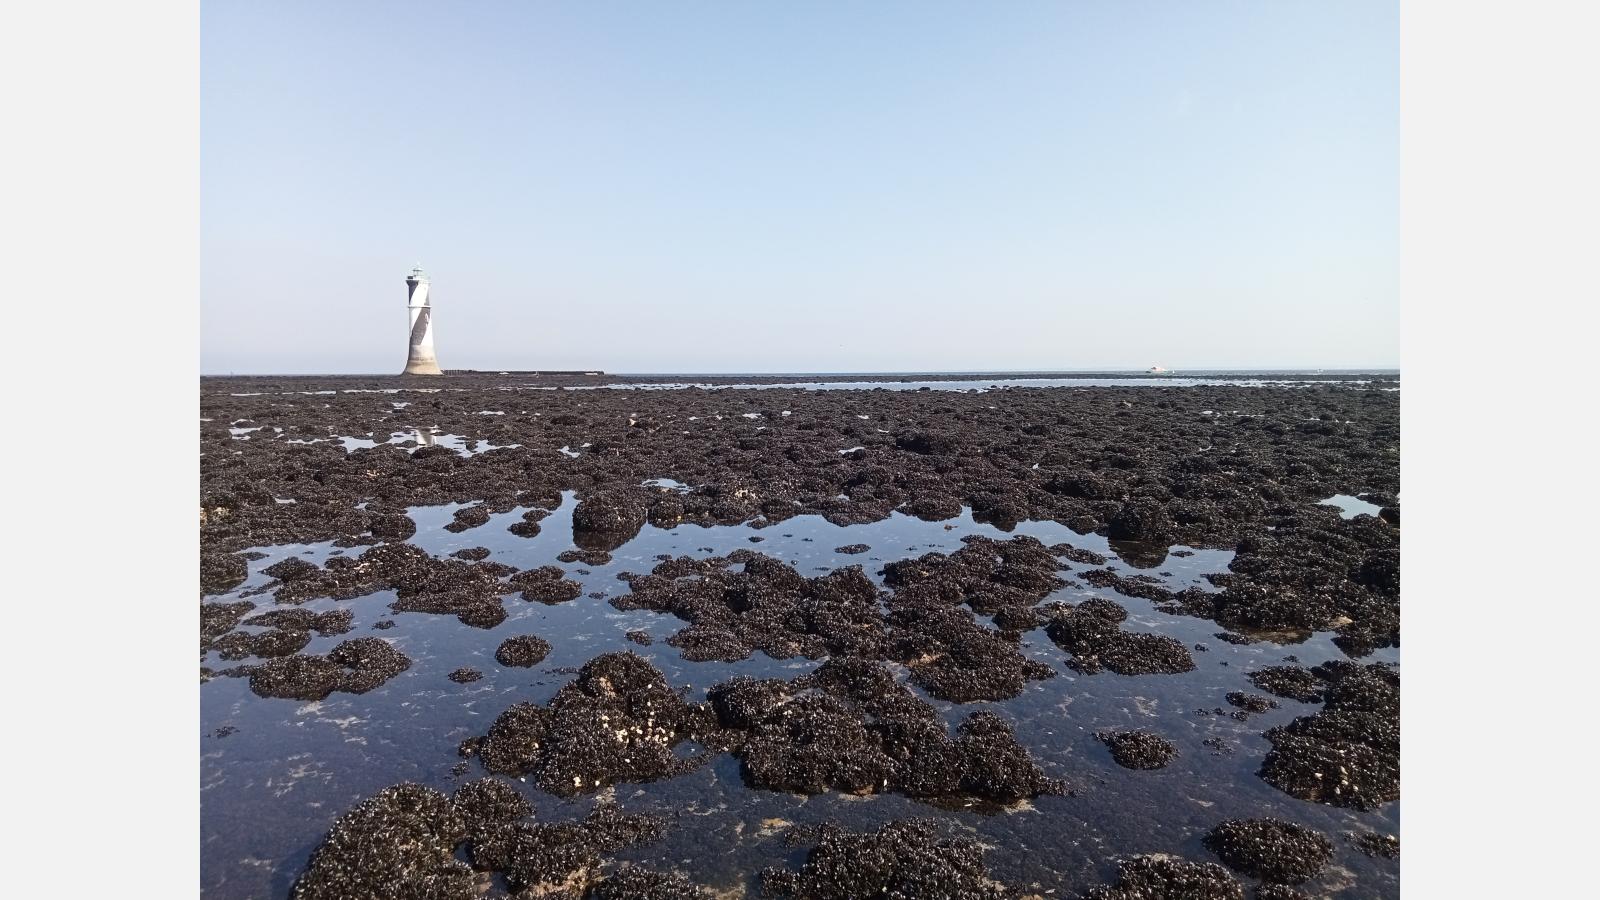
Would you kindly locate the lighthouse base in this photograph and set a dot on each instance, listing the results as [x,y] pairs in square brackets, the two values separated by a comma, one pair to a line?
[422,367]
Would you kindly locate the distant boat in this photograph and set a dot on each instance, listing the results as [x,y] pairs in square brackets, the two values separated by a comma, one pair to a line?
[1158,370]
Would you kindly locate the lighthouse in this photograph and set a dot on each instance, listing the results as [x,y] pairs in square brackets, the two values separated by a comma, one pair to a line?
[420,359]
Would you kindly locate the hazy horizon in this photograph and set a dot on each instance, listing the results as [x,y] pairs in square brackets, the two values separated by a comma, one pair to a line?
[733,189]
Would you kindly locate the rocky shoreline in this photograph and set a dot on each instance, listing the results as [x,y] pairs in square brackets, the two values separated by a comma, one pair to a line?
[923,677]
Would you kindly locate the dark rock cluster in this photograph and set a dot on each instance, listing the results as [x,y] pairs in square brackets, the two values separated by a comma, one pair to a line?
[1280,892]
[398,843]
[546,584]
[1169,878]
[637,883]
[1139,749]
[1289,682]
[1250,703]
[217,619]
[467,518]
[617,721]
[239,645]
[1092,632]
[469,590]
[334,621]
[1270,849]
[522,651]
[950,655]
[763,605]
[220,572]
[287,630]
[748,601]
[906,859]
[1348,754]
[466,585]
[1315,570]
[403,841]
[850,727]
[986,575]
[1385,846]
[354,667]
[608,518]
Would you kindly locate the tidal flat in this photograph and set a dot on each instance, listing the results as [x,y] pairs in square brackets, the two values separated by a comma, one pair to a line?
[924,636]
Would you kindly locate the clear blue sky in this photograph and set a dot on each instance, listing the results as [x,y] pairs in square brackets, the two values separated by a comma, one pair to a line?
[742,186]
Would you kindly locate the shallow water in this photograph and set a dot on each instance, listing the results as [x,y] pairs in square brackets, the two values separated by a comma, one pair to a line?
[270,789]
[1350,507]
[975,386]
[411,440]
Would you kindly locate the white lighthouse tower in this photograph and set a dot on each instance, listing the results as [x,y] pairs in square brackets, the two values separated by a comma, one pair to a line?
[420,360]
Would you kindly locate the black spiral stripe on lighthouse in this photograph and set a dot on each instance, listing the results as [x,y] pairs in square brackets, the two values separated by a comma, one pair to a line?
[419,328]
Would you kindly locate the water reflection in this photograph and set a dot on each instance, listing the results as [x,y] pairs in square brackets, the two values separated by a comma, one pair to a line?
[1140,554]
[1350,507]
